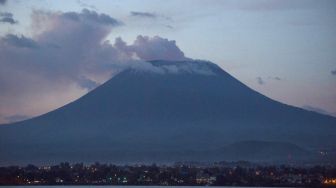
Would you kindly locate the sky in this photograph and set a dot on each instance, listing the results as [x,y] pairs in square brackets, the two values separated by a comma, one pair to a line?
[53,52]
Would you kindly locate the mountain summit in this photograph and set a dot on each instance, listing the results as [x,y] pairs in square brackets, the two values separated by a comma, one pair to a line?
[162,111]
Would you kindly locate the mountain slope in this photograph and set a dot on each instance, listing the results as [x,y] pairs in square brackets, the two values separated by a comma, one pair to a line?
[162,111]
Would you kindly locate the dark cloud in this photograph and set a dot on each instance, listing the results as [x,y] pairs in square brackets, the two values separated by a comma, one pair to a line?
[2,2]
[7,17]
[21,42]
[8,20]
[66,56]
[143,14]
[6,14]
[92,16]
[333,72]
[274,78]
[150,15]
[260,81]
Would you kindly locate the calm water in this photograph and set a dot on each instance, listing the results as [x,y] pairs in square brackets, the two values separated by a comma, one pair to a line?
[116,186]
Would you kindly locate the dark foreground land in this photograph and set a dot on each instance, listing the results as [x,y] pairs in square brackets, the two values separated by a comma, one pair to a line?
[219,174]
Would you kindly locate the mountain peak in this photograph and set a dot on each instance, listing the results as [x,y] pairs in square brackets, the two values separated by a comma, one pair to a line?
[140,115]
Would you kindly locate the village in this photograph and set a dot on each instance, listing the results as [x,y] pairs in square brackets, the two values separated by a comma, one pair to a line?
[217,174]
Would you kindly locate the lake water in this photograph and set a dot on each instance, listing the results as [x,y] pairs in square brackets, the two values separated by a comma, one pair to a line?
[116,186]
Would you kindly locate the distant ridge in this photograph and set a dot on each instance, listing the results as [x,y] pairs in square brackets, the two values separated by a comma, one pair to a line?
[255,150]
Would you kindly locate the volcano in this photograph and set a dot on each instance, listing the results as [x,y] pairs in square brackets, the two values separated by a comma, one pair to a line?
[164,111]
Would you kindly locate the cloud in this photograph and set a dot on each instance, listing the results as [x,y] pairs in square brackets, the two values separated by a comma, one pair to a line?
[61,61]
[21,42]
[91,16]
[143,14]
[87,83]
[180,67]
[85,5]
[274,78]
[8,20]
[7,17]
[260,81]
[150,15]
[2,2]
[153,48]
[67,56]
[198,67]
[333,72]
